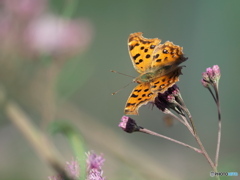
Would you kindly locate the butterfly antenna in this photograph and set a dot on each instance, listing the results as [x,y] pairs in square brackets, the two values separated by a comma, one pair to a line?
[121,73]
[121,88]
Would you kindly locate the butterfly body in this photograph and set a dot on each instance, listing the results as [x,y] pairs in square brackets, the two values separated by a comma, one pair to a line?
[158,67]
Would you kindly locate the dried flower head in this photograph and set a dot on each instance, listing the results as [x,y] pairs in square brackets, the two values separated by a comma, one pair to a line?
[128,124]
[211,76]
[166,100]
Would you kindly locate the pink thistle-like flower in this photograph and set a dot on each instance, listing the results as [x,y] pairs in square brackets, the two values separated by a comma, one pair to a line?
[165,100]
[171,98]
[73,168]
[95,174]
[128,124]
[209,72]
[94,161]
[216,70]
[211,76]
[55,36]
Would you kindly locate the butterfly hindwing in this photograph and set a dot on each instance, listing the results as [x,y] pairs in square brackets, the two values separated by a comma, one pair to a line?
[140,95]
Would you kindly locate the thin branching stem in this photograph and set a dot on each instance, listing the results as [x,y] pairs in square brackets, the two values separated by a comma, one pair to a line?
[210,90]
[219,126]
[188,125]
[187,112]
[166,111]
[205,152]
[170,139]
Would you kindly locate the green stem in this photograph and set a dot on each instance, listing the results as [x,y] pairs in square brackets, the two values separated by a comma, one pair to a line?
[40,143]
[219,125]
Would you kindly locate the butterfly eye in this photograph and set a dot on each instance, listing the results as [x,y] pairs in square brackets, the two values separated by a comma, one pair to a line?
[165,51]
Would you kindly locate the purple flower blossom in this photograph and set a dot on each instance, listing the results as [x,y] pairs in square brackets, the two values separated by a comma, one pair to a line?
[94,161]
[211,76]
[171,98]
[94,168]
[95,174]
[165,100]
[73,168]
[53,35]
[128,124]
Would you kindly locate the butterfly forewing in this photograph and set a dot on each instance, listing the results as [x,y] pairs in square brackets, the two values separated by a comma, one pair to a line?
[141,51]
[167,54]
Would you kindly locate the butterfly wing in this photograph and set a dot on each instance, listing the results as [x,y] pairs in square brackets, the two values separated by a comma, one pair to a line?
[162,83]
[141,51]
[140,95]
[167,54]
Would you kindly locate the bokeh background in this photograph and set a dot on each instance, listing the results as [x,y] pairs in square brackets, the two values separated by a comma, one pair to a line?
[55,62]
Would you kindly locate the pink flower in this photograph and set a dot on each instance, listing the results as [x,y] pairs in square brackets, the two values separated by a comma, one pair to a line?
[211,76]
[73,168]
[95,174]
[24,9]
[94,161]
[55,36]
[128,124]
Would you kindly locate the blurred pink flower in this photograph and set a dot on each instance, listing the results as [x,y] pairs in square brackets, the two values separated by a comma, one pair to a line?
[94,161]
[24,9]
[53,35]
[73,168]
[95,174]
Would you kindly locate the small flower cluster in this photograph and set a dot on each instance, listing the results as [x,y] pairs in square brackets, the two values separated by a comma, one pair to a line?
[94,168]
[211,76]
[171,99]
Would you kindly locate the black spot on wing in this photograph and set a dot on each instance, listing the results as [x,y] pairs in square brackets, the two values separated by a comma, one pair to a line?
[130,104]
[145,42]
[136,56]
[137,90]
[148,56]
[145,90]
[134,95]
[156,56]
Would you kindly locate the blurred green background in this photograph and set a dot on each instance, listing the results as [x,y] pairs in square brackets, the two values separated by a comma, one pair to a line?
[71,80]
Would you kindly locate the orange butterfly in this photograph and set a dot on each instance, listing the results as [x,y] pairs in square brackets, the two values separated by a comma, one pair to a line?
[158,67]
